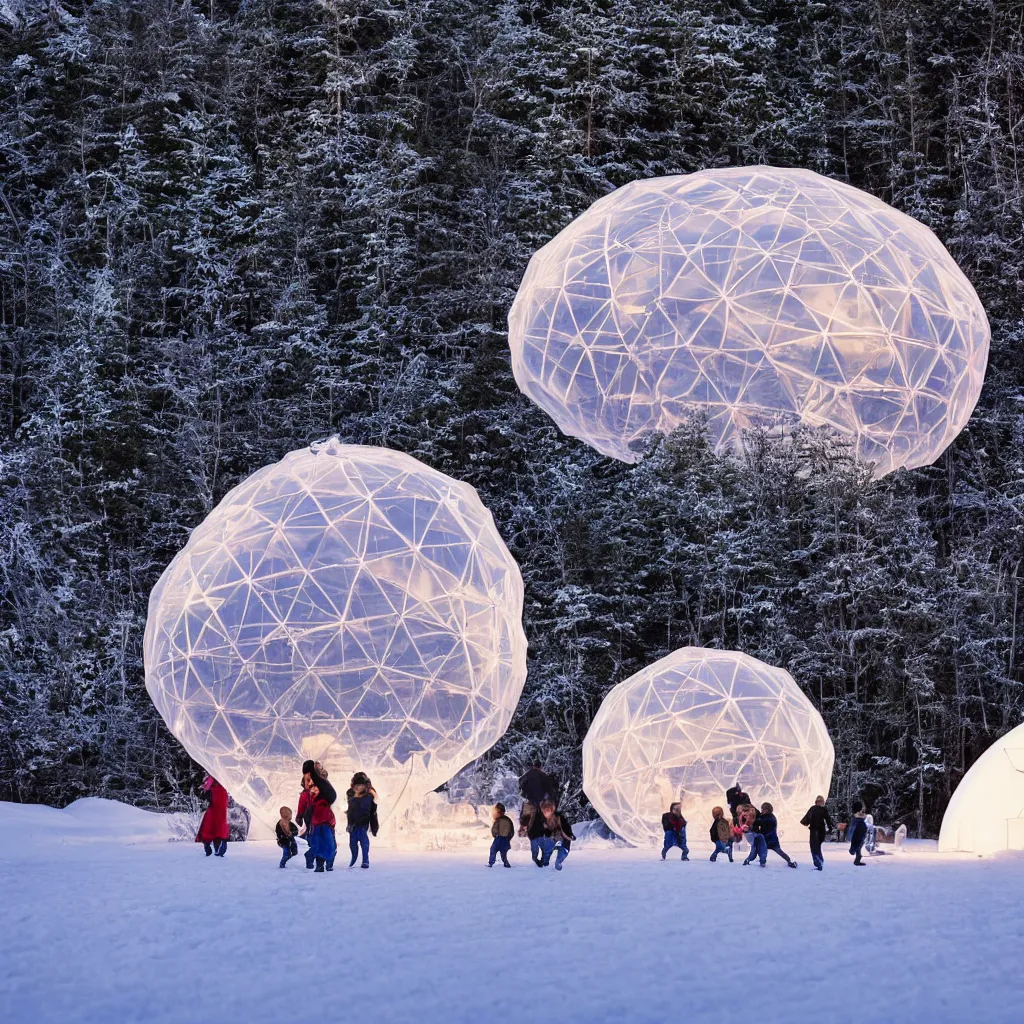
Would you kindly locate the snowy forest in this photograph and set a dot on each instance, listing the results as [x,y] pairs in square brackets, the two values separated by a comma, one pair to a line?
[229,228]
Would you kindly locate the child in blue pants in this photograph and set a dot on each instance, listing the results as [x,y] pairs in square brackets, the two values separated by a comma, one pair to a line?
[857,831]
[721,834]
[287,830]
[674,825]
[502,831]
[362,819]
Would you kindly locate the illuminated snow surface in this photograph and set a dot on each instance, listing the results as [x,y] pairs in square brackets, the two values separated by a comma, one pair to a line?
[96,930]
[347,604]
[762,296]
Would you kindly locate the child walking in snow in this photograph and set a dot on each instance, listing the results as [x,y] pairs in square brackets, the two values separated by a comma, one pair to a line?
[674,824]
[721,834]
[362,819]
[502,831]
[286,831]
[857,830]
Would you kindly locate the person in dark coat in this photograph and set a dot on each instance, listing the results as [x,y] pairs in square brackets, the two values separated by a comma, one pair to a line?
[820,824]
[735,797]
[857,830]
[674,825]
[362,818]
[537,786]
[322,845]
[286,830]
[213,831]
[502,831]
[766,827]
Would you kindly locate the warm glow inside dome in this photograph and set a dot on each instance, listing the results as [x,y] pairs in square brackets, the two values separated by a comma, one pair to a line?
[348,604]
[687,727]
[761,297]
[986,812]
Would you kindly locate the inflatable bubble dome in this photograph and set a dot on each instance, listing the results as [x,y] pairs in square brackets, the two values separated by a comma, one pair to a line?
[350,605]
[760,297]
[986,812]
[687,728]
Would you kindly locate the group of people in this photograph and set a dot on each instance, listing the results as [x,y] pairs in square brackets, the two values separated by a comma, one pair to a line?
[540,820]
[315,814]
[314,820]
[759,828]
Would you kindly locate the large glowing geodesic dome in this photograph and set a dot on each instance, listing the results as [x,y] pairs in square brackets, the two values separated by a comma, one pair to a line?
[761,297]
[986,812]
[350,605]
[688,727]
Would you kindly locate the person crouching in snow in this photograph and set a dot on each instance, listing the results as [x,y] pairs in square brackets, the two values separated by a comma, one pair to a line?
[286,831]
[674,824]
[322,845]
[557,835]
[213,832]
[721,834]
[857,830]
[766,826]
[361,816]
[502,831]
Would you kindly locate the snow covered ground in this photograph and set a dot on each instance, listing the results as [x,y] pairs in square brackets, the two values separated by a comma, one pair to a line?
[106,920]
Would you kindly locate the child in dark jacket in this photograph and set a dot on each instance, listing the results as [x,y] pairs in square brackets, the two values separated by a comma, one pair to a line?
[857,830]
[502,831]
[674,825]
[286,831]
[362,818]
[721,834]
[766,826]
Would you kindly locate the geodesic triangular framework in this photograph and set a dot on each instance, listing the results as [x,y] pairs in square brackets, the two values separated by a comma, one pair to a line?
[763,297]
[687,727]
[350,605]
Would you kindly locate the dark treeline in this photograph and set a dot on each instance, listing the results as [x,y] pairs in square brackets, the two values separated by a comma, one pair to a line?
[230,228]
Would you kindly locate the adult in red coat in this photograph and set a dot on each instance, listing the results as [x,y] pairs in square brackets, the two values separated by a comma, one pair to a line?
[213,832]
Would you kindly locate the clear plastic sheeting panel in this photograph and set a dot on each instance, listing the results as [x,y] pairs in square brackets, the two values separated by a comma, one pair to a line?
[691,725]
[986,812]
[349,605]
[762,297]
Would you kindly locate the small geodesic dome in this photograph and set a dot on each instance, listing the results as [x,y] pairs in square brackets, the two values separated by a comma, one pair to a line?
[761,297]
[986,812]
[349,605]
[688,727]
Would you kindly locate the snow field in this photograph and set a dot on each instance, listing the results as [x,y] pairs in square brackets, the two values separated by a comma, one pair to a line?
[98,930]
